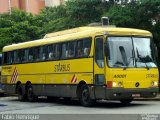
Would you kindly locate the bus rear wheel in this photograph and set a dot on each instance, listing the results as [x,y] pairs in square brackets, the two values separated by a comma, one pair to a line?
[21,94]
[30,94]
[84,96]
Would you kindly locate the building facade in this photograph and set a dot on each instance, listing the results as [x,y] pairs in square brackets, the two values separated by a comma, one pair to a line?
[32,6]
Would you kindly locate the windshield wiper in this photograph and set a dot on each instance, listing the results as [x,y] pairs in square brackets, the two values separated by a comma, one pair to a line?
[147,66]
[143,59]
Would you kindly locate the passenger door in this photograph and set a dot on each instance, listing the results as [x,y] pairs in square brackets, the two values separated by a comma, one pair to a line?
[99,76]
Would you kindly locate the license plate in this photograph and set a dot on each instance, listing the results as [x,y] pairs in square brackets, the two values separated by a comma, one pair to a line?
[136,95]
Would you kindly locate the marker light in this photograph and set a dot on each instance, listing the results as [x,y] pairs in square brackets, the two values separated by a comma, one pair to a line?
[109,84]
[119,84]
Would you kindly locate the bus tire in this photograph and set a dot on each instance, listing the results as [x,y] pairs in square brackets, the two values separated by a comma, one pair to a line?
[30,94]
[84,96]
[20,93]
[125,102]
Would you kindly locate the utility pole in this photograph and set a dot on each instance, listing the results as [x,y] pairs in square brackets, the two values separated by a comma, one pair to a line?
[9,7]
[27,5]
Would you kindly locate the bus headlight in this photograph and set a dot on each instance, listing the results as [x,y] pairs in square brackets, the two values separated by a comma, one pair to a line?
[114,84]
[154,83]
[117,84]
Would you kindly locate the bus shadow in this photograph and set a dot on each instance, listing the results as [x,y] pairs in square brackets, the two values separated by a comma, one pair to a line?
[116,104]
[98,104]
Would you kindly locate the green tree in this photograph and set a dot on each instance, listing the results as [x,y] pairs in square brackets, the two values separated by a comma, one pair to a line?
[18,27]
[74,14]
[142,14]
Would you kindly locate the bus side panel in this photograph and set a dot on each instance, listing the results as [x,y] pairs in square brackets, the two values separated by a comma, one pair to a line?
[52,78]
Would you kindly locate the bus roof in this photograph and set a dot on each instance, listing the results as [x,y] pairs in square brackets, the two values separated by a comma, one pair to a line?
[77,33]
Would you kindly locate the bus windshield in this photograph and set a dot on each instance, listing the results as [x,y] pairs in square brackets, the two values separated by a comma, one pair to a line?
[130,52]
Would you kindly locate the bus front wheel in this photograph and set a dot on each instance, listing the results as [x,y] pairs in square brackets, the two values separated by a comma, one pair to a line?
[85,96]
[30,94]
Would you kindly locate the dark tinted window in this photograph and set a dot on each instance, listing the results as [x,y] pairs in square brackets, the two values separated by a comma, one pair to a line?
[71,49]
[64,50]
[83,47]
[51,52]
[17,56]
[68,49]
[43,53]
[5,58]
[86,46]
[57,51]
[30,55]
[99,57]
[22,55]
[37,54]
[79,48]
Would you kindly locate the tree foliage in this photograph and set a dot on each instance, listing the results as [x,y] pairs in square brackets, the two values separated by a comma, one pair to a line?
[144,14]
[17,27]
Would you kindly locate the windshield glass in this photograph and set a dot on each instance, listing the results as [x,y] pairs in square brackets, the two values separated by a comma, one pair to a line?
[129,52]
[143,52]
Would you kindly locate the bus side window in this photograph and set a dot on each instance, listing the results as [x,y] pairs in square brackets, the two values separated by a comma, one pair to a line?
[71,49]
[30,55]
[26,52]
[43,53]
[99,56]
[17,56]
[58,51]
[54,51]
[5,58]
[64,50]
[22,55]
[51,53]
[10,57]
[37,54]
[79,48]
[86,46]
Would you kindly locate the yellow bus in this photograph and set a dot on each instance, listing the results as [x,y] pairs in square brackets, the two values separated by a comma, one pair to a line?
[88,63]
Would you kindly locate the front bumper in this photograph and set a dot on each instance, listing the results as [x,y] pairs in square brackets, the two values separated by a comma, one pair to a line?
[121,93]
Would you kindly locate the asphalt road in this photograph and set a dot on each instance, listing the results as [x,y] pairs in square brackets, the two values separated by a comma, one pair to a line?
[62,109]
